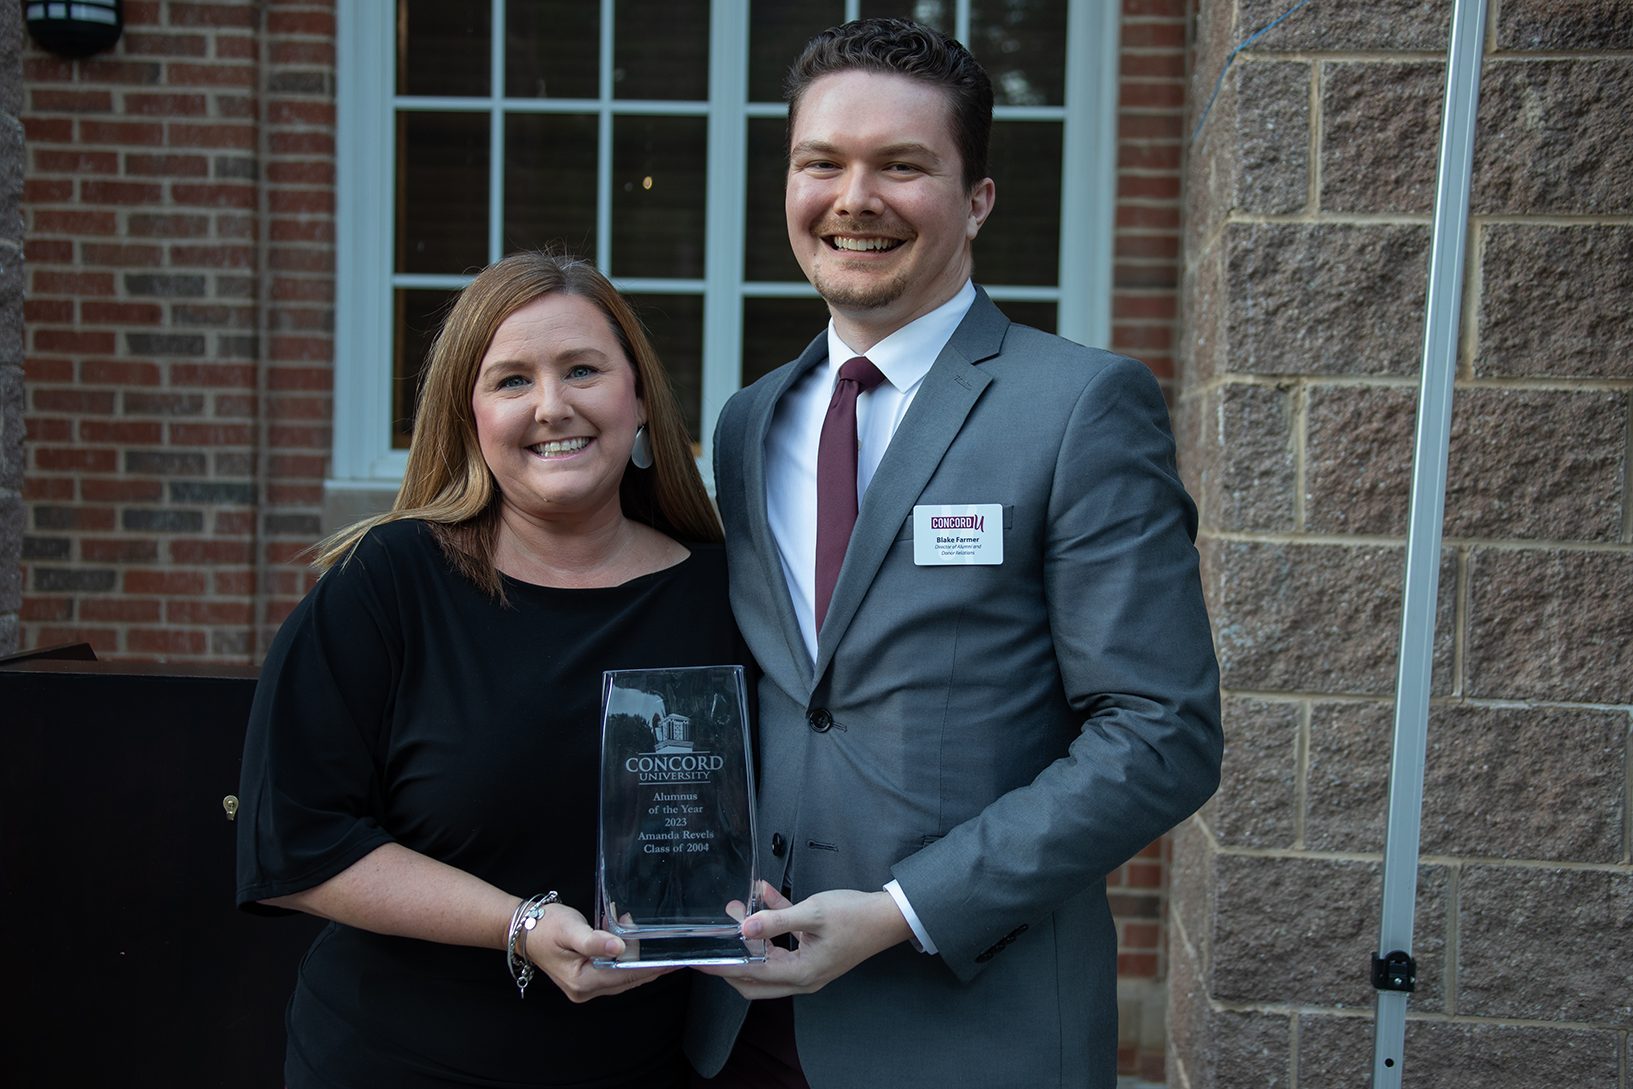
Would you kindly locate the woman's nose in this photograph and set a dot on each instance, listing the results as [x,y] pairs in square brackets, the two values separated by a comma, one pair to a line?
[549,403]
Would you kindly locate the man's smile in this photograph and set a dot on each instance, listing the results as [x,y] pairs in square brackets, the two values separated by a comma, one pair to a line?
[853,244]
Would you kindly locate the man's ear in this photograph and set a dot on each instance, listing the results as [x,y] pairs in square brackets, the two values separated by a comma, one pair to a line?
[982,196]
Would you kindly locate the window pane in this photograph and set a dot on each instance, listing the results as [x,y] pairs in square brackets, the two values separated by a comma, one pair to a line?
[1020,243]
[660,49]
[777,33]
[765,237]
[442,210]
[935,13]
[777,330]
[658,195]
[1039,315]
[552,48]
[675,323]
[550,182]
[442,48]
[1022,45]
[416,317]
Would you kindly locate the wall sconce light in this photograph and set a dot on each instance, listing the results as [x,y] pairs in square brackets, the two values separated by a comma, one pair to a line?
[77,28]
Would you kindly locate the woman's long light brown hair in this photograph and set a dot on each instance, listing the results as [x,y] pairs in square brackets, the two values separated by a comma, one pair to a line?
[447,482]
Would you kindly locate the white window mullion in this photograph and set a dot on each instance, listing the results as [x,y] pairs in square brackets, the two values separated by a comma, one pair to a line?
[724,211]
[652,285]
[603,141]
[496,134]
[1088,185]
[432,281]
[365,163]
[1022,293]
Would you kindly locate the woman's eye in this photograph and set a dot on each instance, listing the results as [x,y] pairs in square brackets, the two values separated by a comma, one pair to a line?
[512,381]
[580,371]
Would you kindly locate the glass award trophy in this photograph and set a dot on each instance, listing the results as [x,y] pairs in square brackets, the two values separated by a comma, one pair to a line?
[677,817]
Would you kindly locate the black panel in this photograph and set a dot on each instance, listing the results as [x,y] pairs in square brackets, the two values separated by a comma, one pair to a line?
[127,963]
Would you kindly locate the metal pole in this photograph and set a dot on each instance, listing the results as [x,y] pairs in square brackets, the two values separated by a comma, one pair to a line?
[1393,972]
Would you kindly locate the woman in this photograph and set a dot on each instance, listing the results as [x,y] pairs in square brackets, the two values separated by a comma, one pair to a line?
[421,762]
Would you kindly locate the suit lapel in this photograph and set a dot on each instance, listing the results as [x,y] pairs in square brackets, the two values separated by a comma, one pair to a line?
[765,545]
[943,402]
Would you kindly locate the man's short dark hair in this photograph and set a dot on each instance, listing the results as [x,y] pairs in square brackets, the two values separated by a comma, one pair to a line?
[903,48]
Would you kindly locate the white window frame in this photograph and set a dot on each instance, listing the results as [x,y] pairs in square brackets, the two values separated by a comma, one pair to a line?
[366,162]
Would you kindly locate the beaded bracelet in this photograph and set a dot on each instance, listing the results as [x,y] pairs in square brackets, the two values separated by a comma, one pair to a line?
[525,918]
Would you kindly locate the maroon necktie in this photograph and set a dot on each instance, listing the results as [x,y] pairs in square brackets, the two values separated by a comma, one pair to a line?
[836,477]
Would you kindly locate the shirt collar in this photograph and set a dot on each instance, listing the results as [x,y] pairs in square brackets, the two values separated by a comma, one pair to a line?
[906,356]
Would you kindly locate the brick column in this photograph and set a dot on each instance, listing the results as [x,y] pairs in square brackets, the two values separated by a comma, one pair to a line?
[11,322]
[1308,202]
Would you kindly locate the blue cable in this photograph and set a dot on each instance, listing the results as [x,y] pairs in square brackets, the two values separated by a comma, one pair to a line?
[1249,40]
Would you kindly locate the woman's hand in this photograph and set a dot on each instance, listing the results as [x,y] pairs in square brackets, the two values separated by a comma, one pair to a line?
[393,890]
[561,946]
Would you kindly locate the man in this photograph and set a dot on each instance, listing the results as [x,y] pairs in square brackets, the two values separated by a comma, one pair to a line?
[1000,685]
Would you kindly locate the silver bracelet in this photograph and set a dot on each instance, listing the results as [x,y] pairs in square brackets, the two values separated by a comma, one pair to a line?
[525,918]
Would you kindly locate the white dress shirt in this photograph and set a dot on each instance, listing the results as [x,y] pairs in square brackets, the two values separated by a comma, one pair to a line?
[904,358]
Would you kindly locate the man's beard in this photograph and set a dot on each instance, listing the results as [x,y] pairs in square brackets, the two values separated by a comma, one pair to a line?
[870,294]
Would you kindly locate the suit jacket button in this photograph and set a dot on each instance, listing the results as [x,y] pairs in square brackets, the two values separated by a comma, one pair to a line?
[778,845]
[821,721]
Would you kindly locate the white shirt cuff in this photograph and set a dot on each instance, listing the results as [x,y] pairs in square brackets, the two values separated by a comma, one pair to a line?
[921,940]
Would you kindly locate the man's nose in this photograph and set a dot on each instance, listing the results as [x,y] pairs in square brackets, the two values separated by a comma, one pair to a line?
[858,194]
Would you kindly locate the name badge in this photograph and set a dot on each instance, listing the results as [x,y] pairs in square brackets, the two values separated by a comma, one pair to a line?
[958,533]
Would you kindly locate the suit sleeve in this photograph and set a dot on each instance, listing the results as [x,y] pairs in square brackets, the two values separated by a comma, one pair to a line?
[728,468]
[1135,654]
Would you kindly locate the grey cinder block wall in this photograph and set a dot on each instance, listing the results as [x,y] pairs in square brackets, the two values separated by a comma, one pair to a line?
[11,321]
[1309,193]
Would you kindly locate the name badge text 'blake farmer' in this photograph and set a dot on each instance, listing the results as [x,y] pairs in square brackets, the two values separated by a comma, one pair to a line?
[958,533]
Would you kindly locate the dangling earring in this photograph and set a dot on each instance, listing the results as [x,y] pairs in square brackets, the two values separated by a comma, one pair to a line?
[640,453]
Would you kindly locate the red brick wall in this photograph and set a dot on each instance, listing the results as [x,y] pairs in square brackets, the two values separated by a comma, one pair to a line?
[179,215]
[1151,130]
[1150,142]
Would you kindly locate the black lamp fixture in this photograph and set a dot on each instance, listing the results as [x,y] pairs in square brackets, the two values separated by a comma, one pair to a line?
[75,28]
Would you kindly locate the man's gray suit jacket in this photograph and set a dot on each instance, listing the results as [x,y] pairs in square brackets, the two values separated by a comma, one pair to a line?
[996,738]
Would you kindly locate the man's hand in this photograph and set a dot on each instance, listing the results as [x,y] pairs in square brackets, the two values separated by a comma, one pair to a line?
[837,930]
